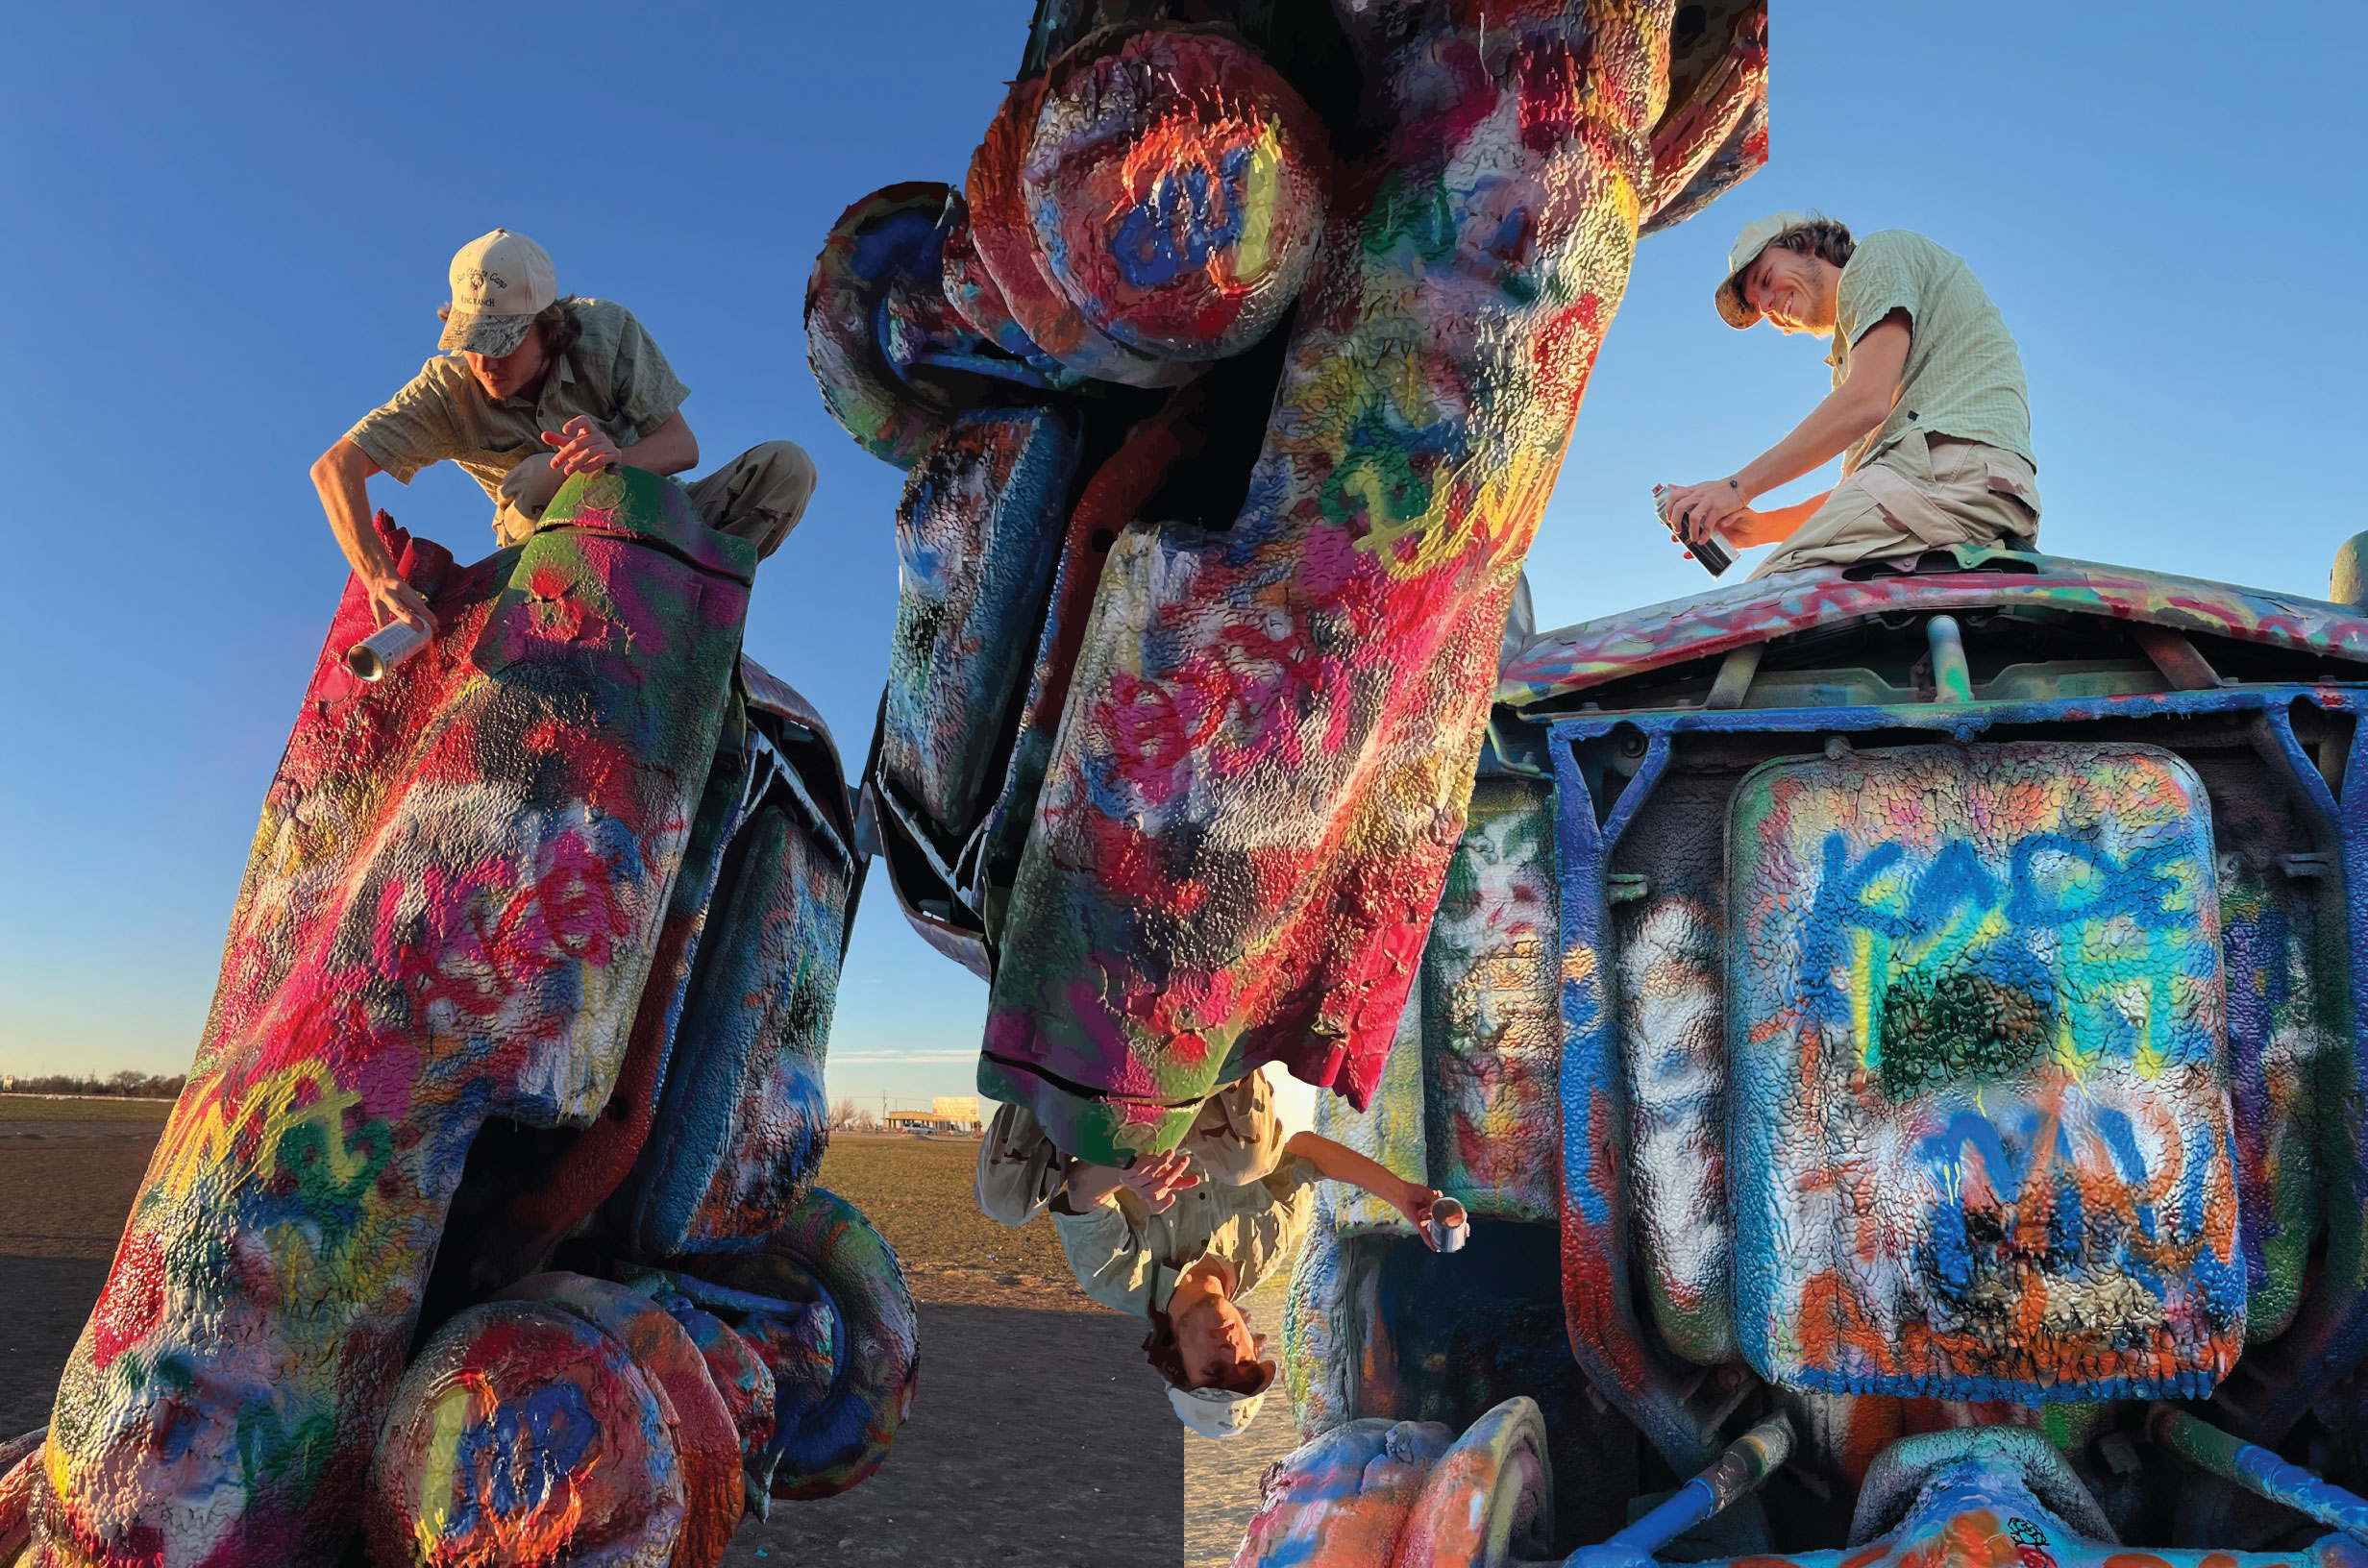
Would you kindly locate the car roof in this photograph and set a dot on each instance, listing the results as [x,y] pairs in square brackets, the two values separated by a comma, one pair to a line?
[1555,664]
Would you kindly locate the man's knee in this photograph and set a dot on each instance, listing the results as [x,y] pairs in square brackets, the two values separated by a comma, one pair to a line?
[760,496]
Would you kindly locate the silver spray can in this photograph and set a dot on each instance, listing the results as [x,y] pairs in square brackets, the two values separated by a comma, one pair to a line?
[384,649]
[1448,1227]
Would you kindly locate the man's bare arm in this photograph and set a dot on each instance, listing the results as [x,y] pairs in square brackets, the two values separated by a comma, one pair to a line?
[1339,1162]
[341,476]
[1861,404]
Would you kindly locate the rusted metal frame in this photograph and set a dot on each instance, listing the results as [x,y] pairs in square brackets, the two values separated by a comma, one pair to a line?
[1963,721]
[1598,1307]
[2176,657]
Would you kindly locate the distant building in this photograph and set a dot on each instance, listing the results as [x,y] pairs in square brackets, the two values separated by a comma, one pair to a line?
[948,1113]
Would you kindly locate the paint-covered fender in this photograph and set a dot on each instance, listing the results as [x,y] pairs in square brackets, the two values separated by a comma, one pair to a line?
[449,910]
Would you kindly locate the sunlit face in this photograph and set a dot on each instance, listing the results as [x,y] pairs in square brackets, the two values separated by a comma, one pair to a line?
[1214,1338]
[512,373]
[1796,292]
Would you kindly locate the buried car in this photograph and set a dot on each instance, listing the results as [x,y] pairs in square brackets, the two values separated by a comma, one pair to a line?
[1230,387]
[485,1229]
[1898,1032]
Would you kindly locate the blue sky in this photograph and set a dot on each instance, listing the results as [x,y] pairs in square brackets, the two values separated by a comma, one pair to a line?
[224,230]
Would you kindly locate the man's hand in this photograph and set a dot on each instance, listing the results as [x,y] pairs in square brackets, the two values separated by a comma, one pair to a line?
[1156,1179]
[1416,1202]
[583,448]
[1697,510]
[391,598]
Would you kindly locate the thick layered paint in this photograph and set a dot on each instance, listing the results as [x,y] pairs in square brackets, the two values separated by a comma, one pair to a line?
[1317,1355]
[1271,733]
[868,324]
[700,1428]
[744,1109]
[447,915]
[1006,241]
[1715,131]
[1492,1033]
[837,1415]
[1979,1096]
[1176,188]
[977,534]
[2278,1043]
[527,1434]
[1342,1499]
[1599,1305]
[1561,663]
[1995,1498]
[1673,1036]
[1392,1129]
[1489,1499]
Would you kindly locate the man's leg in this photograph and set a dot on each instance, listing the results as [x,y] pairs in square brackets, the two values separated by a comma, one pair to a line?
[760,494]
[1917,496]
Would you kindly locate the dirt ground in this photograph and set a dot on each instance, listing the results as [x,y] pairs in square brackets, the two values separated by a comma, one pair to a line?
[1038,1434]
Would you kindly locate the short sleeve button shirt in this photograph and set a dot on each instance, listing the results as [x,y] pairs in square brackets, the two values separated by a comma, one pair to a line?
[1964,376]
[615,376]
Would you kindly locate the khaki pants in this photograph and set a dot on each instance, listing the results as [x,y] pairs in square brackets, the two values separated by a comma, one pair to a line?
[1234,1141]
[759,496]
[1924,493]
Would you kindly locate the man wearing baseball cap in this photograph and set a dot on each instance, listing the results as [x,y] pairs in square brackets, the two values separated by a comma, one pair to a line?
[1929,411]
[1178,1239]
[534,387]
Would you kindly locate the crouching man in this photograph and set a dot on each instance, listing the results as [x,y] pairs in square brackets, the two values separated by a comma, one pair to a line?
[1929,408]
[1181,1237]
[534,388]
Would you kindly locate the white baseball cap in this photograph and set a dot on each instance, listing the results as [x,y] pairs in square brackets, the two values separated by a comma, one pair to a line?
[1758,235]
[1220,1412]
[500,281]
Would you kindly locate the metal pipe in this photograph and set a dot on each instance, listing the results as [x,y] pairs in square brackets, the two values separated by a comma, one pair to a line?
[1747,1461]
[1952,680]
[2259,1471]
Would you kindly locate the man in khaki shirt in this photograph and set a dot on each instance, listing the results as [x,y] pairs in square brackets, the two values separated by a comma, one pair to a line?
[1929,410]
[533,388]
[1179,1238]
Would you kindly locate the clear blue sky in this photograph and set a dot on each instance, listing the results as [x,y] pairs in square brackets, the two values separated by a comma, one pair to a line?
[224,230]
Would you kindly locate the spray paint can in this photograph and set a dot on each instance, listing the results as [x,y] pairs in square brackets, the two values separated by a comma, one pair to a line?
[1712,552]
[384,649]
[1448,1227]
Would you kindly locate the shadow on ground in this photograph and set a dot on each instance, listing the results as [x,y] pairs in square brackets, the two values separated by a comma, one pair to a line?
[1037,1437]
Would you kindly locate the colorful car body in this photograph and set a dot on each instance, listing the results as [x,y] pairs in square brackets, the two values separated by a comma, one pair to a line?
[1232,386]
[532,968]
[1913,1013]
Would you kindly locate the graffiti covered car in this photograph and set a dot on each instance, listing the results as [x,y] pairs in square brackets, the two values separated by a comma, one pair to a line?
[1896,1031]
[1230,386]
[485,1229]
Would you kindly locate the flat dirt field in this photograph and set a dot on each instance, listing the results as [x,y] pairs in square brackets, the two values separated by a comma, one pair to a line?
[1038,1436]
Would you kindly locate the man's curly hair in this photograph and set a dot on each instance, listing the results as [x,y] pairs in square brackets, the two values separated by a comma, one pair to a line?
[559,328]
[1821,237]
